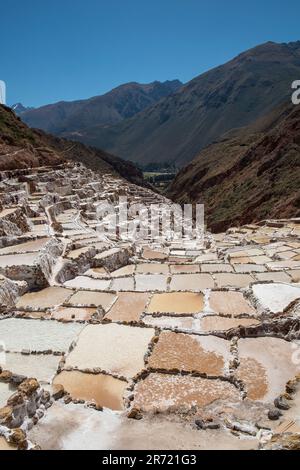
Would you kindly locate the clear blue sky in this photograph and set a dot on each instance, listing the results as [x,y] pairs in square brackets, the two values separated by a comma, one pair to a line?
[55,50]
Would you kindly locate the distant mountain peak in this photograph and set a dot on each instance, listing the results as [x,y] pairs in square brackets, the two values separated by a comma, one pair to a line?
[18,108]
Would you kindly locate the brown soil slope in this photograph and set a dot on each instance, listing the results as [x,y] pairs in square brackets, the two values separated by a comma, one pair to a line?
[22,147]
[250,174]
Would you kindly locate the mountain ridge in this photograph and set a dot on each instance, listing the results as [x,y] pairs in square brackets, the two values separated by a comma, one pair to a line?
[119,103]
[180,125]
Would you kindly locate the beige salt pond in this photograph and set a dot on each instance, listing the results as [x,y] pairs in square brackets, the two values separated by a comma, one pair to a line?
[92,299]
[122,284]
[195,282]
[31,246]
[184,268]
[118,349]
[150,282]
[22,259]
[182,323]
[152,268]
[217,323]
[233,280]
[73,314]
[43,299]
[124,271]
[229,303]
[177,303]
[128,307]
[104,390]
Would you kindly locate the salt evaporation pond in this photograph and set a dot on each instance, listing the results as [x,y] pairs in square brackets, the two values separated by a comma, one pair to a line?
[37,335]
[41,367]
[104,390]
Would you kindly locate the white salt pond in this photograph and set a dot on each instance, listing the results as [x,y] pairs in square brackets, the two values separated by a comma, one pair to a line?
[37,335]
[6,391]
[266,366]
[276,297]
[85,282]
[77,427]
[22,259]
[41,367]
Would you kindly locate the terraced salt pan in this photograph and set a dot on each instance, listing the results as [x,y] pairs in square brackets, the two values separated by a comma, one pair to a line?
[92,299]
[73,314]
[104,390]
[182,323]
[117,349]
[195,282]
[216,323]
[77,427]
[152,268]
[184,268]
[229,303]
[6,391]
[160,392]
[233,280]
[84,282]
[31,246]
[205,354]
[22,259]
[124,271]
[128,307]
[177,303]
[150,282]
[275,276]
[276,297]
[41,367]
[249,268]
[153,254]
[216,268]
[265,366]
[74,254]
[97,273]
[37,335]
[46,298]
[122,284]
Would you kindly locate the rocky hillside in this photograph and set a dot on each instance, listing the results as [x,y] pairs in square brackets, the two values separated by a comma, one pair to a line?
[22,147]
[72,118]
[249,174]
[229,96]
